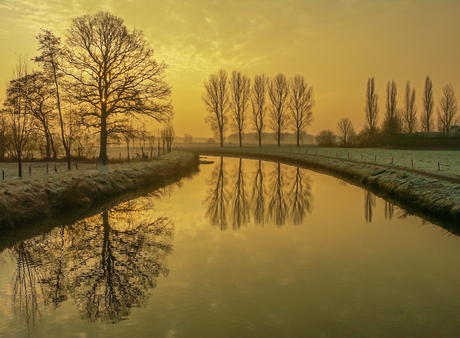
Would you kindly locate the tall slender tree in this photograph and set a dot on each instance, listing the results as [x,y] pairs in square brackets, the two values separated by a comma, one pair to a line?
[258,104]
[371,109]
[216,100]
[278,91]
[239,100]
[409,116]
[426,119]
[392,123]
[447,113]
[51,59]
[346,131]
[301,106]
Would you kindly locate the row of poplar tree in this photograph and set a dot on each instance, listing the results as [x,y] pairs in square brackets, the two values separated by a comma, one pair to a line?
[396,120]
[278,102]
[103,77]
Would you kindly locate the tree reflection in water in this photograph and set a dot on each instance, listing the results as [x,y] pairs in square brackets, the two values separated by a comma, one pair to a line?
[391,210]
[27,293]
[258,195]
[285,200]
[369,205]
[278,207]
[301,197]
[217,197]
[239,202]
[106,263]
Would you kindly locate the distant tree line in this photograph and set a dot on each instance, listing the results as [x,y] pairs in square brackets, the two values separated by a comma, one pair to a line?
[103,80]
[277,102]
[396,120]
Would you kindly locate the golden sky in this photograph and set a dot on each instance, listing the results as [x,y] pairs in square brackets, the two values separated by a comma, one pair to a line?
[336,44]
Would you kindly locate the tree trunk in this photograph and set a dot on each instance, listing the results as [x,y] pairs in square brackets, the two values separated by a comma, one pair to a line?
[19,164]
[221,139]
[241,140]
[66,145]
[260,139]
[103,141]
[298,138]
[279,137]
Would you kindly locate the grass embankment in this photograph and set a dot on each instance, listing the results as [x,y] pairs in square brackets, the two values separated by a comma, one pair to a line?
[433,197]
[31,199]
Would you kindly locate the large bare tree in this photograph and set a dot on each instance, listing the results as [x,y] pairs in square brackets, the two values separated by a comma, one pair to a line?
[114,75]
[301,105]
[258,103]
[278,91]
[239,99]
[409,116]
[426,119]
[346,130]
[51,59]
[447,113]
[216,100]
[371,109]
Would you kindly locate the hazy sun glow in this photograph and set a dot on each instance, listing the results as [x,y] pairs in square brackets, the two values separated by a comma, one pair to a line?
[336,44]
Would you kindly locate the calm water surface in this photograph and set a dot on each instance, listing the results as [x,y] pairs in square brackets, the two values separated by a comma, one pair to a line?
[244,249]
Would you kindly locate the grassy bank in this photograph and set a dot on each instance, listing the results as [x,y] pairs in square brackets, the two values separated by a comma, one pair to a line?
[433,197]
[35,198]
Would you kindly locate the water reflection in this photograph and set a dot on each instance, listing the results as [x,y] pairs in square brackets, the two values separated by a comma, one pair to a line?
[105,263]
[217,197]
[301,197]
[286,195]
[239,202]
[369,205]
[392,210]
[277,206]
[258,195]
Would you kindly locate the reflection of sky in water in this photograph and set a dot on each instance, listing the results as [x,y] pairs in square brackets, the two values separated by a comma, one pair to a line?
[354,266]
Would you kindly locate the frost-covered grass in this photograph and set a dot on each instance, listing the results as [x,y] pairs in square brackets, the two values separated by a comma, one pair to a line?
[44,194]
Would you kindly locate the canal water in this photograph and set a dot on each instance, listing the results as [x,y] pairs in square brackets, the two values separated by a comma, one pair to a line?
[245,248]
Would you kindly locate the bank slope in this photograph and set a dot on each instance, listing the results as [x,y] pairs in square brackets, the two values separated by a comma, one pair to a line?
[32,199]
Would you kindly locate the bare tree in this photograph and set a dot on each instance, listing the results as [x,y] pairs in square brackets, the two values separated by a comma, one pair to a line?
[346,131]
[51,59]
[409,116]
[259,90]
[16,104]
[428,104]
[326,138]
[447,113]
[188,138]
[371,108]
[239,99]
[169,135]
[391,124]
[278,91]
[41,105]
[114,75]
[301,105]
[4,127]
[216,100]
